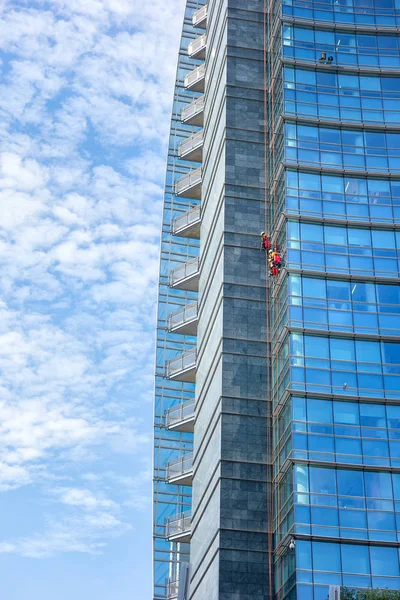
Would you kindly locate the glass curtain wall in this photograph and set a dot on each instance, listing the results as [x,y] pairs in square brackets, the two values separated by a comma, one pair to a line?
[334,210]
[171,499]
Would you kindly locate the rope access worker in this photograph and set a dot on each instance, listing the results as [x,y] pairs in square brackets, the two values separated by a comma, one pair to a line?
[274,261]
[265,243]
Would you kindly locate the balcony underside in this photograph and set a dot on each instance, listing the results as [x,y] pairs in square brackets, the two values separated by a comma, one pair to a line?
[191,191]
[199,53]
[189,230]
[199,18]
[186,328]
[193,114]
[184,320]
[197,48]
[194,154]
[182,537]
[189,185]
[186,375]
[186,425]
[189,283]
[196,86]
[181,417]
[181,478]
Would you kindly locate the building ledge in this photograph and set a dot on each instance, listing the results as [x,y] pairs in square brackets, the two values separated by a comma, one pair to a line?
[180,471]
[192,148]
[346,222]
[188,223]
[178,527]
[193,113]
[199,18]
[184,321]
[186,276]
[172,589]
[194,81]
[340,171]
[336,275]
[333,25]
[183,366]
[181,417]
[189,186]
[338,68]
[197,48]
[337,123]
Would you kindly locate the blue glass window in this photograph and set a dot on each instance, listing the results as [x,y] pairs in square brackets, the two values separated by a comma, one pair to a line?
[355,559]
[299,409]
[322,481]
[326,557]
[396,485]
[338,290]
[384,521]
[315,289]
[301,478]
[342,350]
[317,346]
[378,485]
[388,294]
[350,483]
[384,561]
[319,411]
[303,555]
[372,415]
[346,413]
[393,416]
[391,353]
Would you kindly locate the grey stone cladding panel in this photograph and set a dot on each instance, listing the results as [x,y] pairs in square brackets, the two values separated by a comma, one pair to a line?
[244,376]
[251,8]
[243,438]
[240,266]
[230,480]
[245,319]
[245,113]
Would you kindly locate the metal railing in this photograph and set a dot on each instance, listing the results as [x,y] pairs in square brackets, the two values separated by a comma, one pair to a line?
[189,268]
[194,108]
[188,181]
[179,466]
[176,414]
[191,143]
[200,15]
[182,362]
[197,44]
[187,313]
[194,76]
[178,524]
[188,218]
[172,589]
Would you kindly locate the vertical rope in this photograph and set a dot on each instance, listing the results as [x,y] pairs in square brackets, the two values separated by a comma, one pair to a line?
[268,346]
[270,221]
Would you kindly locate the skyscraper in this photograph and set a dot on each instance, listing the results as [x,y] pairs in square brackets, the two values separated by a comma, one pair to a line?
[278,388]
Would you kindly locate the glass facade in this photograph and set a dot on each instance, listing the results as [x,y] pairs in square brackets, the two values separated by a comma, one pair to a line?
[173,499]
[347,97]
[346,49]
[302,485]
[334,190]
[383,13]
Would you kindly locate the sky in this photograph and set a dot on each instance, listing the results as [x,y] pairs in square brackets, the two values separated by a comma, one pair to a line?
[85,97]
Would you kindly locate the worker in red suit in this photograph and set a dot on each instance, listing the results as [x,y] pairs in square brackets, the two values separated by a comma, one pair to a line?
[275,262]
[265,243]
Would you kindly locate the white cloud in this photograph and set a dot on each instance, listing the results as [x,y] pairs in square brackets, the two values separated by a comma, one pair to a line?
[81,534]
[84,111]
[83,498]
